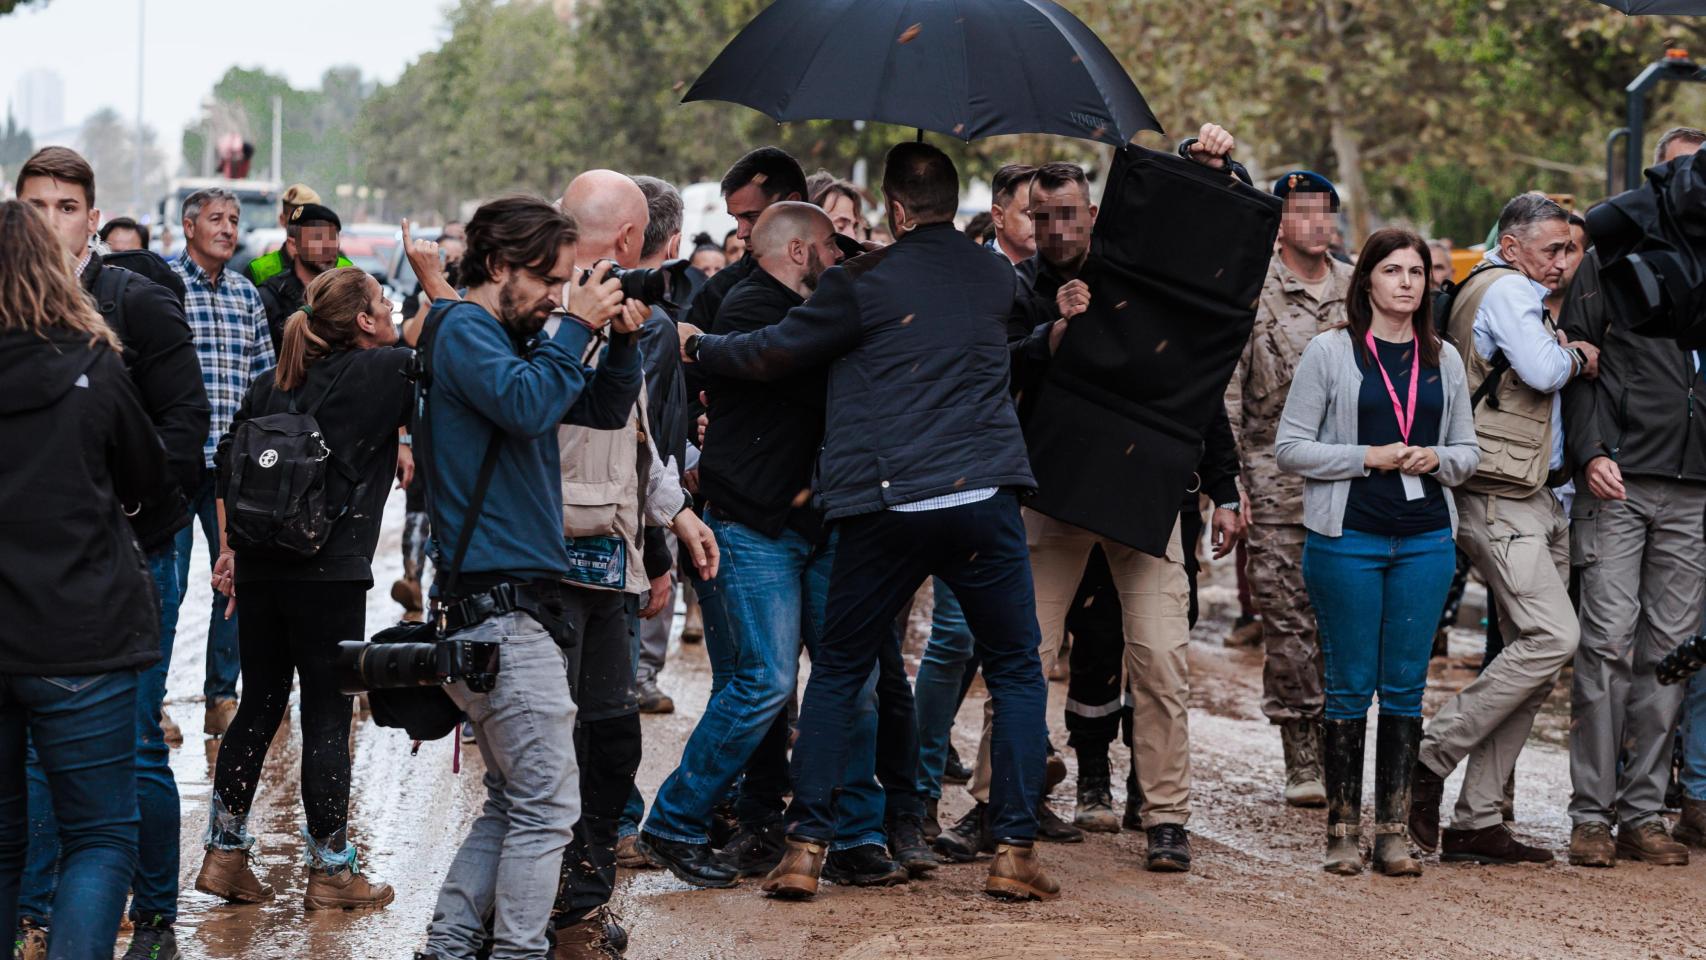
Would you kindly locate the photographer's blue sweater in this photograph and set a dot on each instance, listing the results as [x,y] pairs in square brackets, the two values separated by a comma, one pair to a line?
[482,381]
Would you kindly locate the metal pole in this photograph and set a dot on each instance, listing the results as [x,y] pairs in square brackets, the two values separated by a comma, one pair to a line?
[277,138]
[137,206]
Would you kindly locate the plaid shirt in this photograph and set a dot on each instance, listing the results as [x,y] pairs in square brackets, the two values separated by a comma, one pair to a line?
[232,341]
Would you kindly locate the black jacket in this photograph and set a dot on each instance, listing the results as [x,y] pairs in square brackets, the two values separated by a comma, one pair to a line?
[1641,412]
[159,355]
[282,295]
[918,403]
[370,398]
[762,441]
[75,594]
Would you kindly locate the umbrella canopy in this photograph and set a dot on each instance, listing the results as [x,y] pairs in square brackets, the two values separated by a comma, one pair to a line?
[1661,7]
[966,68]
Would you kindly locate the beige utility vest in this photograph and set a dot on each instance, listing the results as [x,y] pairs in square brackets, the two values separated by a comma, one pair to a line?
[1513,423]
[601,483]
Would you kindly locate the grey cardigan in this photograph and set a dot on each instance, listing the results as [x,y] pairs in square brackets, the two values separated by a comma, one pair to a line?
[1317,436]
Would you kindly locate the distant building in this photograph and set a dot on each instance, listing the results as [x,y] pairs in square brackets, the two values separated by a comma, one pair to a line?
[40,101]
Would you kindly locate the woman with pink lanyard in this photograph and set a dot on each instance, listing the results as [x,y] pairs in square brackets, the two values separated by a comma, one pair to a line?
[1378,424]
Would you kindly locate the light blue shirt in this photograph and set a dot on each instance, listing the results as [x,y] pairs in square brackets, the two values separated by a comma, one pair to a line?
[1511,319]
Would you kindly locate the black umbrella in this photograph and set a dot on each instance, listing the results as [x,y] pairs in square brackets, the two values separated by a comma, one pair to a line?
[1661,7]
[967,68]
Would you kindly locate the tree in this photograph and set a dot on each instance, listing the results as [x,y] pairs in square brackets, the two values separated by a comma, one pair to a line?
[108,141]
[320,144]
[16,145]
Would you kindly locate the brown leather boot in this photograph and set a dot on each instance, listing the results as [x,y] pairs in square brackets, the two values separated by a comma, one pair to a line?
[1691,829]
[795,878]
[1427,792]
[169,729]
[629,856]
[1017,874]
[586,940]
[1652,843]
[220,713]
[1591,845]
[344,889]
[227,874]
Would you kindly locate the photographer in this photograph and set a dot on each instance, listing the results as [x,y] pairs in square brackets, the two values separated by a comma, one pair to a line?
[494,383]
[339,362]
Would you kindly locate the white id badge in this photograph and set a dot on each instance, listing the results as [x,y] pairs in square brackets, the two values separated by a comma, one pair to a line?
[1412,486]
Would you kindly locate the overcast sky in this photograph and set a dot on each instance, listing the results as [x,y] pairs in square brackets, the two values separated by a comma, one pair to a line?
[189,44]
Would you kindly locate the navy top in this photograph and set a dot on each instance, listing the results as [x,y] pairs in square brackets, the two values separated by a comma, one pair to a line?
[1377,504]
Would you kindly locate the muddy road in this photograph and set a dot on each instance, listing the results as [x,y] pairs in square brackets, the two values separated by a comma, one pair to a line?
[1257,890]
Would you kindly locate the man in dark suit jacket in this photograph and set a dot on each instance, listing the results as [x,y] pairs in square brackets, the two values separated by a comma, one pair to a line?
[922,464]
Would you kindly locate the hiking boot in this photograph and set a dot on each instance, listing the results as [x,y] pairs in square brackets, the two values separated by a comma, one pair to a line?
[1133,819]
[1652,843]
[866,865]
[692,863]
[1494,844]
[1691,828]
[908,845]
[628,855]
[1397,741]
[219,716]
[153,940]
[1301,739]
[31,942]
[584,940]
[1427,792]
[1591,845]
[1017,874]
[228,875]
[1169,848]
[653,700]
[1343,740]
[954,771]
[1052,829]
[344,889]
[169,729]
[962,842]
[1095,812]
[1246,632]
[754,851]
[795,878]
[407,593]
[613,930]
[932,825]
[468,733]
[1054,774]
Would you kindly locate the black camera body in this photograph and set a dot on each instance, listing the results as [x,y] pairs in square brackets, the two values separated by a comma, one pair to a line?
[665,286]
[416,658]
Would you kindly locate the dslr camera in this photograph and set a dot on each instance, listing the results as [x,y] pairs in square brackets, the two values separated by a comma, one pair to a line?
[383,663]
[664,286]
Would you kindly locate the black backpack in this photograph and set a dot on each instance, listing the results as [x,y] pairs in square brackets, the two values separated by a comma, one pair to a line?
[276,500]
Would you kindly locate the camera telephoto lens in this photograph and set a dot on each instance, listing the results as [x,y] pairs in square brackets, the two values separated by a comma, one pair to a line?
[364,666]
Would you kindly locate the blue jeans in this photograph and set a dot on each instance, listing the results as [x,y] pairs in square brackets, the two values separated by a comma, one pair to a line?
[223,662]
[1377,602]
[979,550]
[938,687]
[84,732]
[155,886]
[1694,738]
[773,592]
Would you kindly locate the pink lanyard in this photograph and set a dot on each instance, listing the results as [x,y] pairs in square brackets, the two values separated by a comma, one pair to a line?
[1405,421]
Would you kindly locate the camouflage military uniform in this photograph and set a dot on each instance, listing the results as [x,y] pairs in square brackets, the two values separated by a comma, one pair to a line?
[1287,318]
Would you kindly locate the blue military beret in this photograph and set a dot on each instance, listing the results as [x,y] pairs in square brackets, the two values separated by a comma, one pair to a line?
[1305,181]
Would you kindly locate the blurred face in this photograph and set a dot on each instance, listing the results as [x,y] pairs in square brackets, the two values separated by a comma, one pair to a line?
[843,214]
[316,247]
[1062,218]
[1539,250]
[377,327]
[124,238]
[453,231]
[1014,228]
[1441,264]
[1678,148]
[745,204]
[821,254]
[1306,223]
[452,248]
[527,295]
[1397,283]
[1572,257]
[67,210]
[212,235]
[734,248]
[707,262]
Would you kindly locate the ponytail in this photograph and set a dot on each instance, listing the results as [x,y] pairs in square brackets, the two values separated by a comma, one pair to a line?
[324,325]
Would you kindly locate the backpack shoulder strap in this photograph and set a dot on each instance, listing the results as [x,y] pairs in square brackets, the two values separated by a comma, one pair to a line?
[488,465]
[110,288]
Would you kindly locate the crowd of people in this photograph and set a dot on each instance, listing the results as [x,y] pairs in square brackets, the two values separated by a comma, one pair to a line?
[817,419]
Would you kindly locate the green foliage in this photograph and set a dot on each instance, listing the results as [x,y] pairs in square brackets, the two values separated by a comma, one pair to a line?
[16,144]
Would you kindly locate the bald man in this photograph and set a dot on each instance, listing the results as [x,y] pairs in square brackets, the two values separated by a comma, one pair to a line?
[756,472]
[609,502]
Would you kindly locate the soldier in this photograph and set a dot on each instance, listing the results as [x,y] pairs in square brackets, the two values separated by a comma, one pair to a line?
[1303,296]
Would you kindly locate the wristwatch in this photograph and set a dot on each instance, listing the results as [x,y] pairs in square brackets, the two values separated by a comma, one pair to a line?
[691,346]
